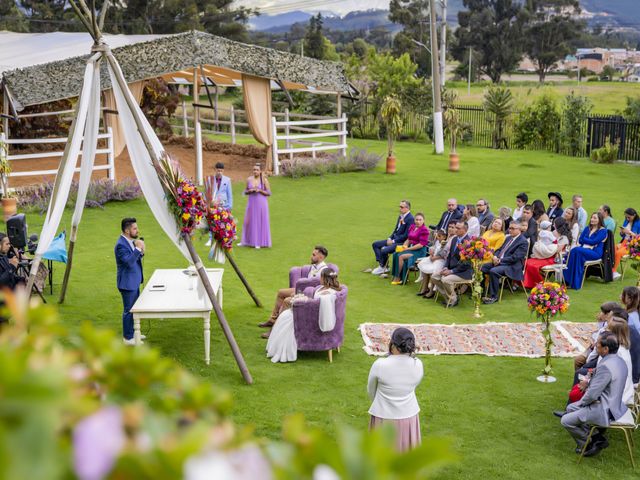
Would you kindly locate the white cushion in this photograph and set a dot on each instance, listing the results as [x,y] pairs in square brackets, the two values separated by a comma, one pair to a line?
[625,421]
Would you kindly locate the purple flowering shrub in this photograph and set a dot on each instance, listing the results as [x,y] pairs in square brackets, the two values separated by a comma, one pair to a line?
[357,160]
[36,198]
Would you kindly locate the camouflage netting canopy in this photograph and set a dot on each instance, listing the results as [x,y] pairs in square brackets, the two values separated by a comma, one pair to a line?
[31,81]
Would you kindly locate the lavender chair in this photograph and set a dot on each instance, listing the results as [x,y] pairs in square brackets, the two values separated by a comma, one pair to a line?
[298,277]
[305,324]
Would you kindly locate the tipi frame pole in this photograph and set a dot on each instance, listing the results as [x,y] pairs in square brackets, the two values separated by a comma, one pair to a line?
[242,279]
[237,354]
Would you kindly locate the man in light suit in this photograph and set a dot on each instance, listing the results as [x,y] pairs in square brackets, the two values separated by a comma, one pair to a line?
[602,401]
[454,270]
[218,190]
[129,251]
[507,261]
[382,248]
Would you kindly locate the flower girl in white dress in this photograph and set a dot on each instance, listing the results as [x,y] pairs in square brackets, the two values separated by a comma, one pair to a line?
[282,345]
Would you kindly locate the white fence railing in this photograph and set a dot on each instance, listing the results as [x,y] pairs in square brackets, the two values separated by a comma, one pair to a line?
[110,166]
[313,137]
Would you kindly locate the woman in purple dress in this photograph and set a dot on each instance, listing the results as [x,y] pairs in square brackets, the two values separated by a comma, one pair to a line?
[255,230]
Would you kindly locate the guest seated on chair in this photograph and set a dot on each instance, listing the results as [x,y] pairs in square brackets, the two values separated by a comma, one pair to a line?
[282,345]
[485,215]
[495,235]
[602,401]
[504,213]
[609,221]
[555,205]
[528,225]
[629,229]
[507,261]
[469,215]
[539,214]
[589,355]
[382,248]
[591,247]
[455,270]
[571,217]
[434,263]
[414,247]
[283,297]
[543,255]
[452,214]
[521,200]
[630,298]
[581,213]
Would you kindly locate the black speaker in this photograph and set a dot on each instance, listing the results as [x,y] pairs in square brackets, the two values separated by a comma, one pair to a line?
[17,230]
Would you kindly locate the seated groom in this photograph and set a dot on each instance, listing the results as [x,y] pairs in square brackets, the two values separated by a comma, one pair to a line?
[454,270]
[508,261]
[382,248]
[602,401]
[452,214]
[283,298]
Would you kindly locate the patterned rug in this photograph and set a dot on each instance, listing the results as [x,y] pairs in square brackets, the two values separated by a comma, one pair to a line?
[492,339]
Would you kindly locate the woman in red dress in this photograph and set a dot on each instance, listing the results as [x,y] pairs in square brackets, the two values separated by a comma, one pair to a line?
[532,275]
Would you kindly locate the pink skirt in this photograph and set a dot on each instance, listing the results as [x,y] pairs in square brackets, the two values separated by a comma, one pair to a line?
[407,431]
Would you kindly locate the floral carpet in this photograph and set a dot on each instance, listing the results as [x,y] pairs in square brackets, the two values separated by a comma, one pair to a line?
[492,339]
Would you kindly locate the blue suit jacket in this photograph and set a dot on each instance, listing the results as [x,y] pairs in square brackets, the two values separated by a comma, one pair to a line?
[458,267]
[401,231]
[224,194]
[129,263]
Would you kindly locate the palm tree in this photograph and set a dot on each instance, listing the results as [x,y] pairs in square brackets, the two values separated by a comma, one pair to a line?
[498,104]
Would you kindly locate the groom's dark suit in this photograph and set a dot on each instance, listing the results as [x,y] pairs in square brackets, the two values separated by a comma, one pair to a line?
[397,237]
[512,255]
[129,278]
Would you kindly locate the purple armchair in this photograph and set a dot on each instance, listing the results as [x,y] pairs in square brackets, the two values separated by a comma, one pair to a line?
[305,324]
[298,277]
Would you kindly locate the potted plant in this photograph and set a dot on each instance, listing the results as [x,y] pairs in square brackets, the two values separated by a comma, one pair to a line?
[8,201]
[454,128]
[390,113]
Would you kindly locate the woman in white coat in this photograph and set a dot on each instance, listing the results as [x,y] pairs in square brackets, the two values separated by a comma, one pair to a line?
[392,384]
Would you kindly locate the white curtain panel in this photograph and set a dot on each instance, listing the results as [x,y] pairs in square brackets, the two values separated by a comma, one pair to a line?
[88,150]
[141,160]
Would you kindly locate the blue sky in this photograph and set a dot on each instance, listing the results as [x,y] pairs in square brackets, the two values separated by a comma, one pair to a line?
[271,7]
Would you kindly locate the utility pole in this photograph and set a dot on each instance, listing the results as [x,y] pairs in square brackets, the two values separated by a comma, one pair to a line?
[443,43]
[470,63]
[438,134]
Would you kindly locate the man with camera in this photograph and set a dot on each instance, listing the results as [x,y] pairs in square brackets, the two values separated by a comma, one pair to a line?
[129,251]
[8,266]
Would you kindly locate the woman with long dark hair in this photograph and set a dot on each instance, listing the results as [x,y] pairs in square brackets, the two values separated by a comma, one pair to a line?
[591,247]
[256,231]
[630,298]
[532,275]
[539,212]
[571,217]
[392,389]
[629,229]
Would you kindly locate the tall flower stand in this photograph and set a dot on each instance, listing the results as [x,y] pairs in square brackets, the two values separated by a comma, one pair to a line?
[546,376]
[476,291]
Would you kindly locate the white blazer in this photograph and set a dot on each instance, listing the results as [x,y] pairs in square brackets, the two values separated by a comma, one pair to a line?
[392,384]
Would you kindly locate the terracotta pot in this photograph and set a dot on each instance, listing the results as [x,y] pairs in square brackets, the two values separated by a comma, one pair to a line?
[454,162]
[9,207]
[391,164]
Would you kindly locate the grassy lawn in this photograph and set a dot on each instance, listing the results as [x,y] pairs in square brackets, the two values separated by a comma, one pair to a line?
[607,97]
[498,416]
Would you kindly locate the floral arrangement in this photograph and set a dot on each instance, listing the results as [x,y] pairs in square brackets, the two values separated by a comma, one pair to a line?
[185,200]
[547,300]
[222,225]
[634,254]
[475,248]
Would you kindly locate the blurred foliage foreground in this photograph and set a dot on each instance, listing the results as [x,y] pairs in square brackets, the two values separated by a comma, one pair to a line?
[88,407]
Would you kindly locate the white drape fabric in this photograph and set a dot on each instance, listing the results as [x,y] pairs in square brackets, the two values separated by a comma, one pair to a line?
[111,119]
[327,313]
[89,146]
[66,170]
[141,160]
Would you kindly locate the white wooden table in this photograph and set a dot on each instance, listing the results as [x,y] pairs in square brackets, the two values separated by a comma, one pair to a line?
[183,297]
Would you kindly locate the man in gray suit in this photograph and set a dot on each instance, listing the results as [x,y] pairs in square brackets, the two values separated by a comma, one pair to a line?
[602,401]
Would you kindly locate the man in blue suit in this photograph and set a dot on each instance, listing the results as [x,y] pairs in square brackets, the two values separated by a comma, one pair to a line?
[382,248]
[508,261]
[129,251]
[218,190]
[455,269]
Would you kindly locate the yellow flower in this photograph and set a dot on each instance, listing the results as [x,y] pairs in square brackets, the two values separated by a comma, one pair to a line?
[186,216]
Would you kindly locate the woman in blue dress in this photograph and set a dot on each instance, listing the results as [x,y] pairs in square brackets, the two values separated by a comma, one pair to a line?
[590,247]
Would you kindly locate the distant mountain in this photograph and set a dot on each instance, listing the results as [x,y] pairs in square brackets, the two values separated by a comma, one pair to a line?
[268,22]
[612,13]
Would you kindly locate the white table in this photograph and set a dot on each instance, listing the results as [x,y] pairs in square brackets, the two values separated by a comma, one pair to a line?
[183,297]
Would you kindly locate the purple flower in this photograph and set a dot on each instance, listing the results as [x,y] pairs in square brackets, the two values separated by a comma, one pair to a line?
[97,441]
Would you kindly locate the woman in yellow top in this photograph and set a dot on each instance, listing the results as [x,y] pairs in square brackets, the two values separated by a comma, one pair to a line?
[495,234]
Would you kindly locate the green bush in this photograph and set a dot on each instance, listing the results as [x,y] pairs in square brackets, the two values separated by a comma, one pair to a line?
[606,154]
[88,406]
[538,125]
[575,111]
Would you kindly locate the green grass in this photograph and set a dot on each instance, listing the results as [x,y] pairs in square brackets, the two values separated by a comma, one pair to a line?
[497,414]
[607,97]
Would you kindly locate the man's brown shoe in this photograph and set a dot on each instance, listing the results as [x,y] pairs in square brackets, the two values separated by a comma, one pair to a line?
[266,334]
[267,324]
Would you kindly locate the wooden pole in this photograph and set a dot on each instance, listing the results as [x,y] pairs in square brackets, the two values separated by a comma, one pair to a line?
[216,308]
[67,269]
[242,279]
